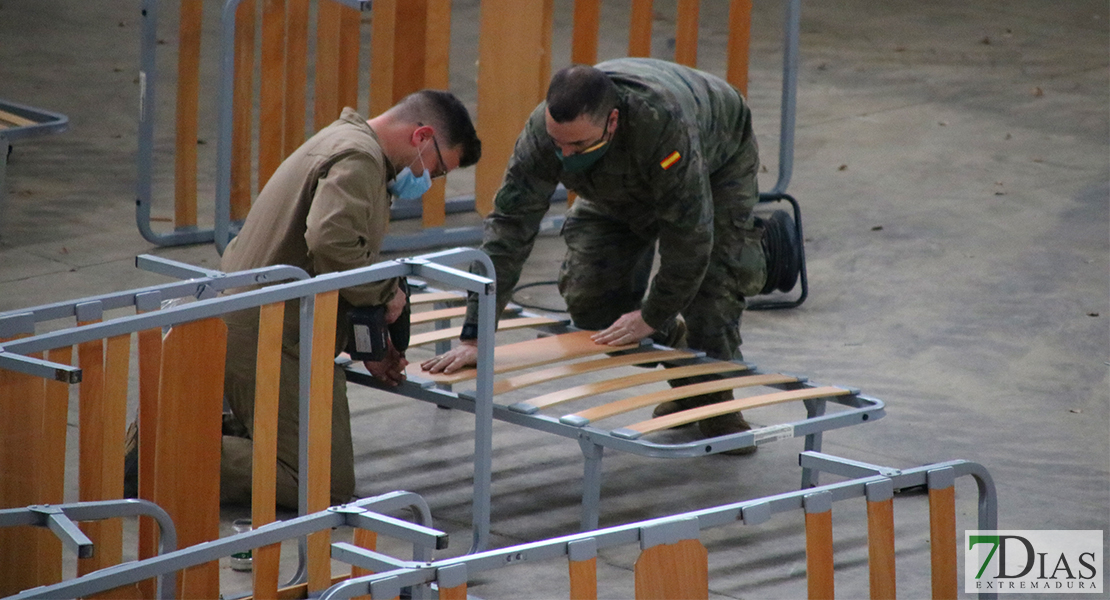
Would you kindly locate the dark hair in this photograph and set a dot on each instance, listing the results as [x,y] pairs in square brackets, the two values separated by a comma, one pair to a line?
[580,90]
[446,113]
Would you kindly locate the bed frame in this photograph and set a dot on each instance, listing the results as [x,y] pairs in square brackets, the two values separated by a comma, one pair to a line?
[562,355]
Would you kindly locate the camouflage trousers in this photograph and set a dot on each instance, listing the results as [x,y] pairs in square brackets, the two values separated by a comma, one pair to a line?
[608,266]
[607,270]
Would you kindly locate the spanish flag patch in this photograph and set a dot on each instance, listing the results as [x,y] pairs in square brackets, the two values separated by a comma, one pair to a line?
[670,160]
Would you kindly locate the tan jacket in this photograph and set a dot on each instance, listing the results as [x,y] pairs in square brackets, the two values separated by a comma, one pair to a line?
[325,209]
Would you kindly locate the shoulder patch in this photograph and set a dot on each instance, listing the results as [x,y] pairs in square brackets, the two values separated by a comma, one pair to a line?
[671,159]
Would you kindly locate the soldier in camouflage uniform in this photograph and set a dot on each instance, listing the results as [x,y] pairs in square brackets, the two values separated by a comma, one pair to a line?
[658,153]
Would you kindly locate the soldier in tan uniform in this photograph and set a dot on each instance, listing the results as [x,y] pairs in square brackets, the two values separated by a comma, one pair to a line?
[326,209]
[661,156]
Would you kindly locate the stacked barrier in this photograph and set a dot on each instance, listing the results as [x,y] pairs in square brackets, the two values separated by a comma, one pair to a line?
[280,32]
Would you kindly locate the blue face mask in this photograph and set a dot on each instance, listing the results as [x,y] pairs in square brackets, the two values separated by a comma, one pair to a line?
[407,186]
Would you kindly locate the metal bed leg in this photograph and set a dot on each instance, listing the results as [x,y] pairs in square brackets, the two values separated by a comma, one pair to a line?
[591,484]
[814,408]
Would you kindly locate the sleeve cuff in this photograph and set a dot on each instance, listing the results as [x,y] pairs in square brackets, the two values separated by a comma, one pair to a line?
[469,331]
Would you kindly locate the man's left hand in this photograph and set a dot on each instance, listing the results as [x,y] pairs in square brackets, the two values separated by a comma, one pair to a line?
[630,328]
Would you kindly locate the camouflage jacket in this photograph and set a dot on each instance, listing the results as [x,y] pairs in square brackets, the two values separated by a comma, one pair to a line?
[676,126]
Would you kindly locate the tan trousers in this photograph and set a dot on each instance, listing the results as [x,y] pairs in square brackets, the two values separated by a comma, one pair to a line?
[236,453]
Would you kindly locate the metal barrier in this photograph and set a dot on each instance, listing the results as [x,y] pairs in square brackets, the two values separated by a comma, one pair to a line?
[673,563]
[356,515]
[181,398]
[59,519]
[426,28]
[281,96]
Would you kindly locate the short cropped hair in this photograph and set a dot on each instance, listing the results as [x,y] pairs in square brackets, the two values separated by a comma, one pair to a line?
[580,90]
[446,113]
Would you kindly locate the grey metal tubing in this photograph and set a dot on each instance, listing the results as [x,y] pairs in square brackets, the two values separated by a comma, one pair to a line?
[170,561]
[220,305]
[789,106]
[148,77]
[750,512]
[173,268]
[59,519]
[21,321]
[46,121]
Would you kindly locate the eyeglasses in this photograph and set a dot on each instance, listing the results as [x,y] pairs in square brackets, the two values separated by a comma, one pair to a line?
[440,171]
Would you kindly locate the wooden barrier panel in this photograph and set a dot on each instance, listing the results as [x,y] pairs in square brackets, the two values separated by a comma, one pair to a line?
[243,110]
[583,579]
[525,27]
[271,90]
[187,474]
[639,28]
[587,24]
[188,92]
[673,572]
[457,592]
[819,555]
[21,400]
[264,439]
[296,73]
[880,548]
[319,437]
[93,440]
[942,541]
[326,89]
[686,33]
[150,366]
[739,43]
[363,538]
[50,466]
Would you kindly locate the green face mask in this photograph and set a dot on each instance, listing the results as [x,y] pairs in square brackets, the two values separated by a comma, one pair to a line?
[583,160]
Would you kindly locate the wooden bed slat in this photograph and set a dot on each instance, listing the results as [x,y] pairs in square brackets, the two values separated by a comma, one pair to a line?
[524,380]
[450,333]
[697,414]
[442,314]
[620,383]
[431,297]
[531,353]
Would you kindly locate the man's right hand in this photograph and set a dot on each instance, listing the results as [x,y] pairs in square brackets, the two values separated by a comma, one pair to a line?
[460,357]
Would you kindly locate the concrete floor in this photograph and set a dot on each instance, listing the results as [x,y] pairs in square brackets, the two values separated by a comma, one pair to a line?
[952,161]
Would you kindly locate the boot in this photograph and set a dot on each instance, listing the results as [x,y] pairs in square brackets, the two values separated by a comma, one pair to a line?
[669,407]
[725,425]
[782,248]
